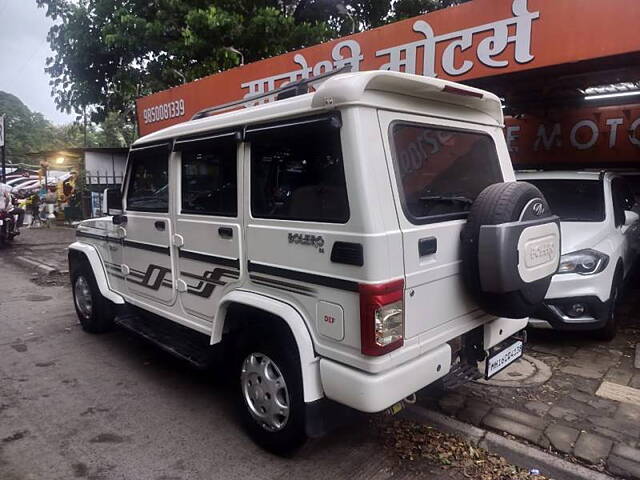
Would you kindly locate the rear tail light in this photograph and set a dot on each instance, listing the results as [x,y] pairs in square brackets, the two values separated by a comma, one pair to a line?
[381,317]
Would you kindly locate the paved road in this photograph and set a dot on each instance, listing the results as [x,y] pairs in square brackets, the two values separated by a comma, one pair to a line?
[73,405]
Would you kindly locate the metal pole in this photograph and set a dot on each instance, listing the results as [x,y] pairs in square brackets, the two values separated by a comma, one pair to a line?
[4,143]
[4,169]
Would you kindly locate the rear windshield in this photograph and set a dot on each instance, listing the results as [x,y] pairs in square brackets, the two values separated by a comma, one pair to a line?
[441,171]
[574,200]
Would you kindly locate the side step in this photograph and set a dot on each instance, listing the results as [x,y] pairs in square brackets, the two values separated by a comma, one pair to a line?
[460,374]
[185,343]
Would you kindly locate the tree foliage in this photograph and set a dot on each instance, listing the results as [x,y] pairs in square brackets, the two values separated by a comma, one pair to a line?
[107,53]
[29,132]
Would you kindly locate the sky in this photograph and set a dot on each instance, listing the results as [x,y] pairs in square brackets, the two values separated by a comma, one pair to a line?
[23,52]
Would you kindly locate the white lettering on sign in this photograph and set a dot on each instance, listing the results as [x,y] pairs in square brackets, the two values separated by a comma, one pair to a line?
[164,111]
[263,85]
[633,138]
[613,134]
[513,134]
[573,138]
[403,57]
[548,141]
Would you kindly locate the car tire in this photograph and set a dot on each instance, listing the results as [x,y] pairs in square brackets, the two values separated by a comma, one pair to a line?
[268,378]
[610,329]
[502,203]
[95,312]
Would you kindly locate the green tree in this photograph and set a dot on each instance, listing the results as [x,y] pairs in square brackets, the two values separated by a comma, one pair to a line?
[115,132]
[29,132]
[108,53]
[26,131]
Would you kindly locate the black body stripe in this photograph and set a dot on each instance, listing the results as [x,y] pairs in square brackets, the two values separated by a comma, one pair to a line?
[279,283]
[202,257]
[105,238]
[273,285]
[332,282]
[147,246]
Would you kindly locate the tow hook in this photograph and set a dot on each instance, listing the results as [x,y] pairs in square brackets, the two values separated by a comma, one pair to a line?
[399,406]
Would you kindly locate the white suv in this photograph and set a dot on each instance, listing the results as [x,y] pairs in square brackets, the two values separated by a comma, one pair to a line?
[599,246]
[334,246]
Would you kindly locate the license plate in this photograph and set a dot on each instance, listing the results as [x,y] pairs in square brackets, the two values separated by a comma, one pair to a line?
[503,358]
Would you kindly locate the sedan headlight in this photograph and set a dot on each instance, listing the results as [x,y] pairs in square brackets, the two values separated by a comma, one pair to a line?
[584,262]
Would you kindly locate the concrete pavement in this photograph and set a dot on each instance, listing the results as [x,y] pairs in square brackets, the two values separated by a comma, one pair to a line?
[73,405]
[102,407]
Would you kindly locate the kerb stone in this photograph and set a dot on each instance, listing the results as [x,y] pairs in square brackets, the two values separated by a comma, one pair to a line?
[592,448]
[474,411]
[516,429]
[625,468]
[562,438]
[520,417]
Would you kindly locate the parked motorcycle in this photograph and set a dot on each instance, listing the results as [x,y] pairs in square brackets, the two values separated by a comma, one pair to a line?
[7,228]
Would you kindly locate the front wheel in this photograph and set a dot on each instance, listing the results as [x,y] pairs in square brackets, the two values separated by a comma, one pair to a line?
[610,329]
[271,396]
[94,311]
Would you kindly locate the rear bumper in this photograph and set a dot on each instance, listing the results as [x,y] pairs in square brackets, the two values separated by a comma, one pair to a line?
[375,392]
[553,311]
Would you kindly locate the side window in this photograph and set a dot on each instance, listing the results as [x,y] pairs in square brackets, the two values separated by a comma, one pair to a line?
[209,179]
[440,171]
[297,173]
[148,189]
[623,199]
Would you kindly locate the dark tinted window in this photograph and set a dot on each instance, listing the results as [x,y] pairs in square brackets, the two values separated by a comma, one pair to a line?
[574,200]
[148,187]
[209,179]
[623,199]
[442,171]
[297,173]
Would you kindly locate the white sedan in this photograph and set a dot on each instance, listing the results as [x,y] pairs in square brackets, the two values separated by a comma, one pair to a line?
[600,233]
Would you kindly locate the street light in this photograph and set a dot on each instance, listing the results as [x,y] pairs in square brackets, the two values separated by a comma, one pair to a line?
[60,160]
[342,10]
[237,52]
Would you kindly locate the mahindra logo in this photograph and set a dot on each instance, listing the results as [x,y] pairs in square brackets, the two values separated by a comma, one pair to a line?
[538,209]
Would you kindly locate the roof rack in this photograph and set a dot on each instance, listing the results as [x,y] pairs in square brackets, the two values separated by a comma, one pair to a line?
[292,89]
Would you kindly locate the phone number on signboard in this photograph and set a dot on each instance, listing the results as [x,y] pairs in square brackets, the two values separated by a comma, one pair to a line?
[165,111]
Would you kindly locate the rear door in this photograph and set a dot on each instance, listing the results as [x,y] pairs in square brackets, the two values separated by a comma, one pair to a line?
[147,252]
[208,222]
[438,167]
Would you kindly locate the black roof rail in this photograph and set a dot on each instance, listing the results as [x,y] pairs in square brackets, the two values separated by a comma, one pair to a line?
[290,90]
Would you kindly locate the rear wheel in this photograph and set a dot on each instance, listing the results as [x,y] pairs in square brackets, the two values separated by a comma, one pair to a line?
[270,390]
[94,311]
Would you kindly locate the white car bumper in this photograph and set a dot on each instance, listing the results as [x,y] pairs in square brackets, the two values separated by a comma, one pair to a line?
[567,290]
[374,392]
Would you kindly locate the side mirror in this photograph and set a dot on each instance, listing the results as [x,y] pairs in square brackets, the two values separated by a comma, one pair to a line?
[112,201]
[630,217]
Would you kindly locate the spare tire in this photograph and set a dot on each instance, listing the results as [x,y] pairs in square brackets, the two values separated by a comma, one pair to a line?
[510,249]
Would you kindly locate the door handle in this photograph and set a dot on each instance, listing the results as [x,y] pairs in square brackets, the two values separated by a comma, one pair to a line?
[225,232]
[427,246]
[120,219]
[159,225]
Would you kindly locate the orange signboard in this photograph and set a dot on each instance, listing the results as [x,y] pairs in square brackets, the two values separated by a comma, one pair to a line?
[477,39]
[588,135]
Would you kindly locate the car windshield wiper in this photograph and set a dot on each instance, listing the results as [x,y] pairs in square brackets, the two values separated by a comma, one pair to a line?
[447,198]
